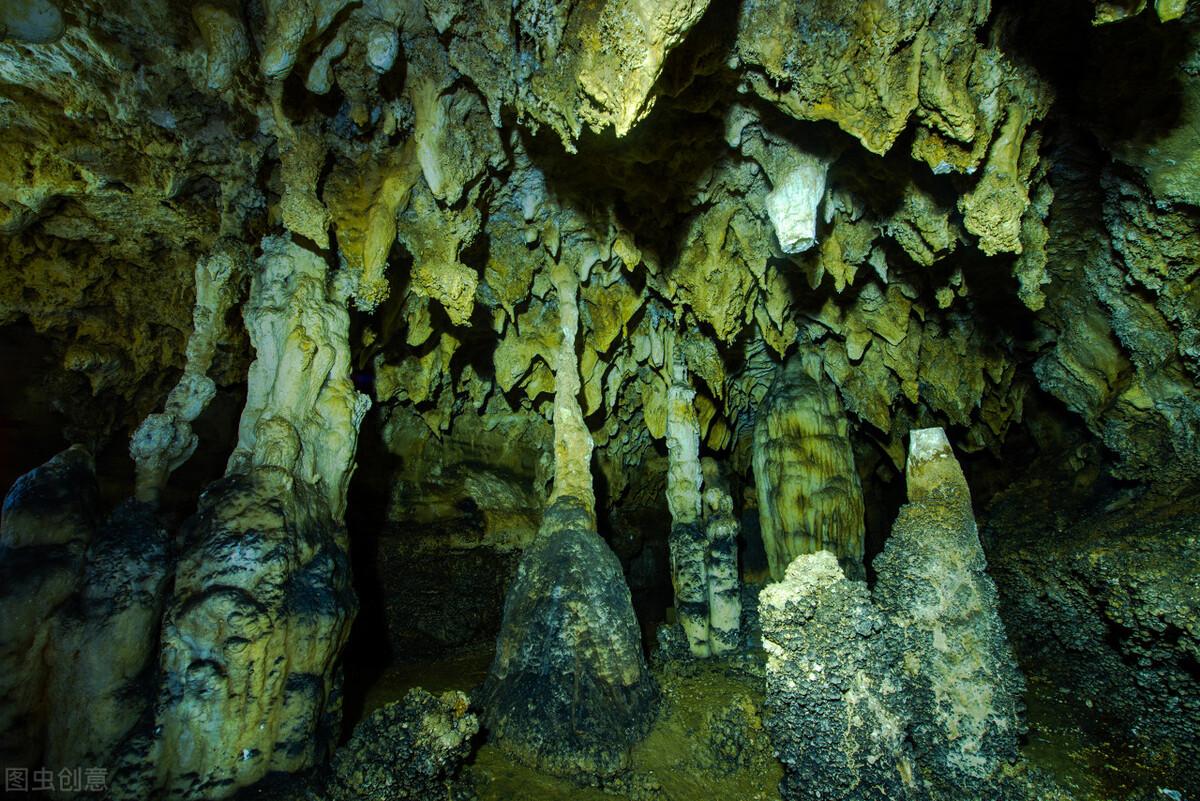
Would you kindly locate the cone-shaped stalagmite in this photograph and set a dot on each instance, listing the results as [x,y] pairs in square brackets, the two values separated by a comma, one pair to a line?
[568,691]
[809,496]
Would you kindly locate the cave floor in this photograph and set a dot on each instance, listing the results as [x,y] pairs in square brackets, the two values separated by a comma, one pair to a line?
[1080,752]
[708,742]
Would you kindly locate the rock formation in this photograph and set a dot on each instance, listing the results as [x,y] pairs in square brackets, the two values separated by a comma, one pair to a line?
[909,690]
[249,678]
[809,497]
[408,749]
[565,251]
[569,691]
[1092,604]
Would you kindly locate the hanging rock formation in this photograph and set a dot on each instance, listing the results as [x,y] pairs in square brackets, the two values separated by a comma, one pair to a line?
[569,691]
[809,496]
[909,691]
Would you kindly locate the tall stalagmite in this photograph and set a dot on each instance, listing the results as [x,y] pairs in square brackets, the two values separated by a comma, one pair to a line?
[689,539]
[569,691]
[249,675]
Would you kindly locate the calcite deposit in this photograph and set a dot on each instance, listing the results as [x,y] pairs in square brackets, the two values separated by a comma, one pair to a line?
[910,689]
[342,334]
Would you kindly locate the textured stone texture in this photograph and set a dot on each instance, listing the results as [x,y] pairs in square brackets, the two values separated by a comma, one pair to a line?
[569,691]
[409,749]
[1093,604]
[909,690]
[248,668]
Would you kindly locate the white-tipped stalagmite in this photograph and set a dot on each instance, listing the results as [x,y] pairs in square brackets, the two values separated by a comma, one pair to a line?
[931,466]
[689,540]
[164,441]
[809,495]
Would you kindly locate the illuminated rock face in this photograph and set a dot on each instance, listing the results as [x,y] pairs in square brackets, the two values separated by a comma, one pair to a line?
[865,698]
[569,691]
[808,489]
[570,250]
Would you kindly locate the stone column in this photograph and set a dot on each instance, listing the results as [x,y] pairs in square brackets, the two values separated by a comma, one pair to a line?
[689,543]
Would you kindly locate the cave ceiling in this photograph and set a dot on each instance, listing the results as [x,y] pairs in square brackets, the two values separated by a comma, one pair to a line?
[947,212]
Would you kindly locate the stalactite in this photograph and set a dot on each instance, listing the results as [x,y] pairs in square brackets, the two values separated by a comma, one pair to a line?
[572,440]
[164,441]
[262,599]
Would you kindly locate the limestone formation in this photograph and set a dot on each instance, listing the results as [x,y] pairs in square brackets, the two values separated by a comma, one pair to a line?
[509,224]
[409,749]
[1094,605]
[165,441]
[965,703]
[866,697]
[82,602]
[302,413]
[721,568]
[569,691]
[688,542]
[808,490]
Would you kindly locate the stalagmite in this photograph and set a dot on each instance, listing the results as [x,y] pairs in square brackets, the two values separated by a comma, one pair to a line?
[164,441]
[262,603]
[809,494]
[80,602]
[569,691]
[689,542]
[724,589]
[909,691]
[966,701]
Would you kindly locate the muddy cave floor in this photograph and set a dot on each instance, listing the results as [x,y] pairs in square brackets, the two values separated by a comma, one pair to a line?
[708,742]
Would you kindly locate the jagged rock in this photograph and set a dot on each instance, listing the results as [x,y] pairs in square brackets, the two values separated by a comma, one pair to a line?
[1092,604]
[408,749]
[866,698]
[808,490]
[569,691]
[835,710]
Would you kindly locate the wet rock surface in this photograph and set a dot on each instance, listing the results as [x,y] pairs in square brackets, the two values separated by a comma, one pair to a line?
[1093,604]
[569,691]
[409,749]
